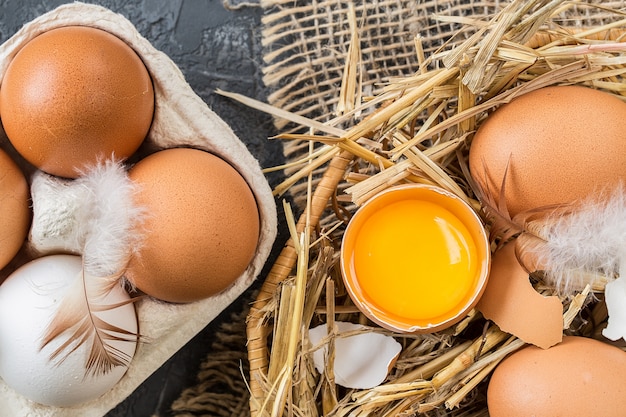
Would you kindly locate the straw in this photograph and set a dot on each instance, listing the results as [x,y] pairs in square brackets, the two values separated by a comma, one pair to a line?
[417,127]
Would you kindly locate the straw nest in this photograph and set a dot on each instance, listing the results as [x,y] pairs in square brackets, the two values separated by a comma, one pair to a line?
[417,129]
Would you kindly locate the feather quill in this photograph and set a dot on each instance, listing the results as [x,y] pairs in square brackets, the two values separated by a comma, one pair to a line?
[78,320]
[503,226]
[100,223]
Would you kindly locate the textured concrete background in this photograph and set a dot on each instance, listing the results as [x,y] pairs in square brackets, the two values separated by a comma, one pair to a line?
[215,47]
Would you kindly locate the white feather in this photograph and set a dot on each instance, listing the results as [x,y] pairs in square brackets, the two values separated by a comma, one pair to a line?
[94,216]
[109,218]
[589,241]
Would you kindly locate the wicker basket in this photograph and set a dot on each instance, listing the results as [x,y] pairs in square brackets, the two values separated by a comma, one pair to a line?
[310,47]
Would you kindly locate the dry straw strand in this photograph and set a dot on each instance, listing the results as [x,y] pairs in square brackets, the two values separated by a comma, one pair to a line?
[414,127]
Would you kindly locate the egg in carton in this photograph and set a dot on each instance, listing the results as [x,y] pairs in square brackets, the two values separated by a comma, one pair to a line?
[181,120]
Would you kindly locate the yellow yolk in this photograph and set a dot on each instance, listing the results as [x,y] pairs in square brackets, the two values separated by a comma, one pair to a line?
[416,260]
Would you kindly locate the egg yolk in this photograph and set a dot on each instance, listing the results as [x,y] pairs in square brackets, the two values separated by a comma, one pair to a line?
[416,260]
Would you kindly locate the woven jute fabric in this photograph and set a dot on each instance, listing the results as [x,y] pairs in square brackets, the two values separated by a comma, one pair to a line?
[307,43]
[221,389]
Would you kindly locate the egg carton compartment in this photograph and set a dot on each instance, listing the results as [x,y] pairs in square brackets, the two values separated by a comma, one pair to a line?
[181,119]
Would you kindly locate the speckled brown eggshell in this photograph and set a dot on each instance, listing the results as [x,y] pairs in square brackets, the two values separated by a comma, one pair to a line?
[15,214]
[579,377]
[561,143]
[73,95]
[202,225]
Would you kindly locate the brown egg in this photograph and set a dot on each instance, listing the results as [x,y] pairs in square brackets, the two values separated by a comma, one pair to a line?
[202,227]
[560,143]
[75,94]
[579,377]
[14,209]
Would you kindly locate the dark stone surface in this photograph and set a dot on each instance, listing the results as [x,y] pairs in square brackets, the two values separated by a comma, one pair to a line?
[214,47]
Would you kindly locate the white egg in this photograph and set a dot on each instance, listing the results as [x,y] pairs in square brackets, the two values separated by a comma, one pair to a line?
[29,299]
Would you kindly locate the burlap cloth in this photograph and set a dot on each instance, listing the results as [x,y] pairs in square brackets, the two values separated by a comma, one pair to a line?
[305,44]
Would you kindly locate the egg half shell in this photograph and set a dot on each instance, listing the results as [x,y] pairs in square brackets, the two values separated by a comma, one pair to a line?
[29,298]
[579,377]
[74,95]
[202,225]
[15,214]
[556,144]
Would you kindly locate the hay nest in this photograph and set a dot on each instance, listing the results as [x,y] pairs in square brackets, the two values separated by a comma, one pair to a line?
[355,129]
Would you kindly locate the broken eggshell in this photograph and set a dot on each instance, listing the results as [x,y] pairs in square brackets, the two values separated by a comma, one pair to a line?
[614,296]
[510,292]
[428,232]
[362,358]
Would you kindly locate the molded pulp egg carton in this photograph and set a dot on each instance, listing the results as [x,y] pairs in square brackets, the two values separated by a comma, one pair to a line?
[181,118]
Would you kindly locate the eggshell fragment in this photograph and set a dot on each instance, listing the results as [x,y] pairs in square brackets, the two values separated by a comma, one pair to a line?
[362,360]
[15,214]
[516,307]
[29,299]
[614,296]
[73,95]
[579,377]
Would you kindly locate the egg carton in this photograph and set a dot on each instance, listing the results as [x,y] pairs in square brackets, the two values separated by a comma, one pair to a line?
[181,118]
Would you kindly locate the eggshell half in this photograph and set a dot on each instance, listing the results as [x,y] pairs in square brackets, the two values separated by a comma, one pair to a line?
[579,377]
[29,299]
[560,144]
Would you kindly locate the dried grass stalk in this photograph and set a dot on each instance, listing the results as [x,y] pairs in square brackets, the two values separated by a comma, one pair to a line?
[350,92]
